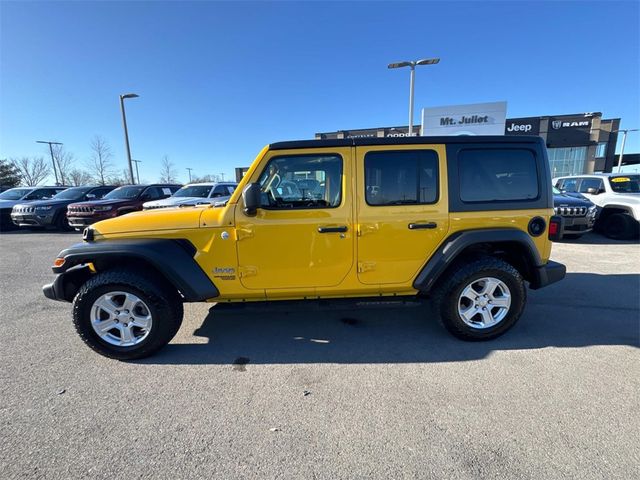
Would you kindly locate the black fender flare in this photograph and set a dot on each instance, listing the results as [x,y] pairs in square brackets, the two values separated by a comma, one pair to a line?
[459,241]
[173,258]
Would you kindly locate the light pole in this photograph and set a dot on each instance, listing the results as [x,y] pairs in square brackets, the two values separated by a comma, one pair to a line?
[53,160]
[412,65]
[137,173]
[222,176]
[126,133]
[624,139]
[189,169]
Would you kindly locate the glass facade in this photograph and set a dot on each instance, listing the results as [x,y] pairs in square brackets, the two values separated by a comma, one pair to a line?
[601,150]
[567,160]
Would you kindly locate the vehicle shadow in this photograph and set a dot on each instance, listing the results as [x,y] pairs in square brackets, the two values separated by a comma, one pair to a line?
[593,238]
[583,310]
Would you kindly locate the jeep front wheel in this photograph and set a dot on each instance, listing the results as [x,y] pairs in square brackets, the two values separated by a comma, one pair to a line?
[481,300]
[123,315]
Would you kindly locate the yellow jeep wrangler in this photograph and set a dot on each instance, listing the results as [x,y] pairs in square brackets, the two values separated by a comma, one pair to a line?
[465,221]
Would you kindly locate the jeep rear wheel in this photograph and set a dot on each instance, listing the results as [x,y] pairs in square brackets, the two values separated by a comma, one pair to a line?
[620,226]
[481,300]
[123,315]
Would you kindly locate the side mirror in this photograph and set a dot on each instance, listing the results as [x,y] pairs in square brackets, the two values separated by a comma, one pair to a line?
[251,198]
[90,196]
[593,191]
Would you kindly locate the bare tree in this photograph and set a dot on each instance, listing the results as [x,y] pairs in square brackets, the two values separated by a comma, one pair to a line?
[32,170]
[64,163]
[100,164]
[209,178]
[122,179]
[167,171]
[80,177]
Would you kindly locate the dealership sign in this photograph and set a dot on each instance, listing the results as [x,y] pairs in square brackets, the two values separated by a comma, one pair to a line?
[522,126]
[569,130]
[474,119]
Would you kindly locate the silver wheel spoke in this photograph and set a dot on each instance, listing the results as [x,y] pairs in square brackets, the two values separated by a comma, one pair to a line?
[142,322]
[501,302]
[105,303]
[487,318]
[469,313]
[126,334]
[130,302]
[470,293]
[104,326]
[490,286]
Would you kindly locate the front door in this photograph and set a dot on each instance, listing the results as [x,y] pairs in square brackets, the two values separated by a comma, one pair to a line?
[302,236]
[402,210]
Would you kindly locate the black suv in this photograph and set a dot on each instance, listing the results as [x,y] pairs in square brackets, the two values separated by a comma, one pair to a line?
[578,212]
[53,212]
[13,196]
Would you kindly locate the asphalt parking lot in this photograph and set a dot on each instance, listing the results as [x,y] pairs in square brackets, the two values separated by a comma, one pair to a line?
[328,391]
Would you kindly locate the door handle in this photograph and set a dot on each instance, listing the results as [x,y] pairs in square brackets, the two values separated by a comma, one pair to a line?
[341,229]
[420,226]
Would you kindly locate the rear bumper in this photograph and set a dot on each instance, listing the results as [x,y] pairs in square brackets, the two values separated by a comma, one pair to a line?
[547,274]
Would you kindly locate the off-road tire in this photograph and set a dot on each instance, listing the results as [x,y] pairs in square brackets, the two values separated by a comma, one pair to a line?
[446,296]
[164,303]
[620,226]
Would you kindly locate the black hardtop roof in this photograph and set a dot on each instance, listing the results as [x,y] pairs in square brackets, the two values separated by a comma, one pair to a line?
[354,142]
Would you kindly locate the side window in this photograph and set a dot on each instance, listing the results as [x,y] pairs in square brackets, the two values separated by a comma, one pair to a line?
[230,189]
[40,194]
[167,191]
[101,192]
[302,181]
[570,184]
[152,193]
[219,191]
[405,177]
[588,183]
[488,175]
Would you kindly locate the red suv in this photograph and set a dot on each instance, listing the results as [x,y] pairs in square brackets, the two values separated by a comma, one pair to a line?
[126,199]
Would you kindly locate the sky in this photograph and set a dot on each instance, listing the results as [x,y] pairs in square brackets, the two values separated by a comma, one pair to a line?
[218,81]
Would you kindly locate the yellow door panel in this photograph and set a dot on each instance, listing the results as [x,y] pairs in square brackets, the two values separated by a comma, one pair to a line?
[301,241]
[402,212]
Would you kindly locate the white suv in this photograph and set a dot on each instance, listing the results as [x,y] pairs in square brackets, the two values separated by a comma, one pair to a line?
[617,195]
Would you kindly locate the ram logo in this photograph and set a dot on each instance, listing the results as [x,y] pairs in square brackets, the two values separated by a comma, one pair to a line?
[556,124]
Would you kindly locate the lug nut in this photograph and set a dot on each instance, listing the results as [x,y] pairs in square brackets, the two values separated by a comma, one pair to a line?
[117,312]
[125,324]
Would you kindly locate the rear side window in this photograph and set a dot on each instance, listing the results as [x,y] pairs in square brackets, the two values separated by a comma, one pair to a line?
[588,183]
[406,177]
[494,175]
[570,184]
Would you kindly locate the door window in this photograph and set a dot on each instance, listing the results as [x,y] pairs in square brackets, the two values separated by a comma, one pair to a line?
[588,183]
[405,177]
[219,191]
[302,182]
[570,184]
[152,193]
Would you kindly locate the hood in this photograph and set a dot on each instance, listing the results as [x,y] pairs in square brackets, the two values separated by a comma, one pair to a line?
[564,200]
[95,203]
[10,203]
[151,221]
[44,203]
[626,198]
[174,202]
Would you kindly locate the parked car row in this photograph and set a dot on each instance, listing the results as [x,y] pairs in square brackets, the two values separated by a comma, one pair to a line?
[64,208]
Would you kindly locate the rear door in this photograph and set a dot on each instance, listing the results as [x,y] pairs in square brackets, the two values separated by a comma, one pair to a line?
[402,210]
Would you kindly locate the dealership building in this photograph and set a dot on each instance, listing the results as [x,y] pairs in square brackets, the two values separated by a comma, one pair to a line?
[577,143]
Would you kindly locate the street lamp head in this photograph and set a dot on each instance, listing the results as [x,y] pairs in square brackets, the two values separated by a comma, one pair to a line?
[129,95]
[50,143]
[399,65]
[428,61]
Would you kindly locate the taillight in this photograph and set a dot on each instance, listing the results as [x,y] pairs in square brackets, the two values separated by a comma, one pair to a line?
[555,228]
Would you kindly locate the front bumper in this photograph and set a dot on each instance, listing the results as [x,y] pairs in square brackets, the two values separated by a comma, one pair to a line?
[66,284]
[82,222]
[32,219]
[547,274]
[578,224]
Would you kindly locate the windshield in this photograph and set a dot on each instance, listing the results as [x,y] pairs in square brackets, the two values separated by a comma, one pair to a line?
[14,193]
[71,194]
[201,191]
[123,193]
[625,183]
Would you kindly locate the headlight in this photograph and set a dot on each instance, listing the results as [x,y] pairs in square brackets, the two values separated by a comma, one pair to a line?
[102,209]
[592,208]
[44,208]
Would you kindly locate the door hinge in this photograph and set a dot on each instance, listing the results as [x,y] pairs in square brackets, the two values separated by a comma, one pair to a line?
[366,266]
[247,271]
[242,233]
[366,228]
